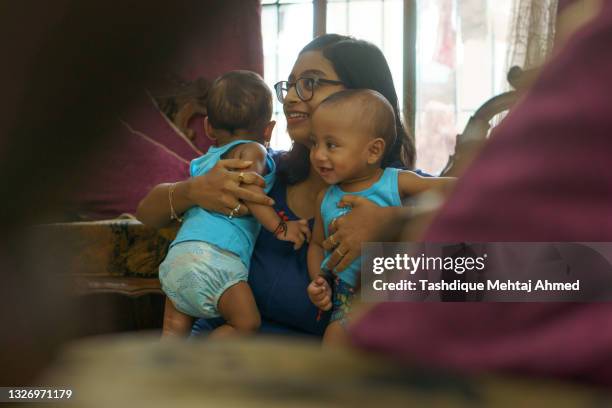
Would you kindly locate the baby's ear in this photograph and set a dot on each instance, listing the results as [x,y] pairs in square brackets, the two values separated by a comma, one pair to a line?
[376,150]
[210,133]
[268,132]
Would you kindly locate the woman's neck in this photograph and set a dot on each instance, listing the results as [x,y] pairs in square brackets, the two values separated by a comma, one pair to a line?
[314,181]
[302,197]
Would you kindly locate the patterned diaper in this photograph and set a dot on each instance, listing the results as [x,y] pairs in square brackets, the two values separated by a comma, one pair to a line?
[341,301]
[195,274]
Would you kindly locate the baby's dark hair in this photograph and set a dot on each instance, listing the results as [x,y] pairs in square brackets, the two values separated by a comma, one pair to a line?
[372,111]
[239,100]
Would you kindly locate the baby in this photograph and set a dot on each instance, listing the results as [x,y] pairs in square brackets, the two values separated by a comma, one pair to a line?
[352,131]
[206,269]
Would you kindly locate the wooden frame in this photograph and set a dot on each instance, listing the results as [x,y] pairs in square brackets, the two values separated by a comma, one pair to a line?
[410,38]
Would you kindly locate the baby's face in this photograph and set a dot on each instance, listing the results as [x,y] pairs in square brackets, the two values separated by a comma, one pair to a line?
[339,149]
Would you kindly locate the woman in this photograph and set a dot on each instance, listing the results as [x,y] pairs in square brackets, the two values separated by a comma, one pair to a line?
[279,275]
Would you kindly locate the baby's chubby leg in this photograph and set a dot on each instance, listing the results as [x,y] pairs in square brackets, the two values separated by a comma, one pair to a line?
[336,335]
[238,308]
[176,323]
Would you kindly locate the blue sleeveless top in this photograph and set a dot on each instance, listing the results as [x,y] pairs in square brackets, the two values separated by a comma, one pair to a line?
[279,278]
[236,235]
[385,193]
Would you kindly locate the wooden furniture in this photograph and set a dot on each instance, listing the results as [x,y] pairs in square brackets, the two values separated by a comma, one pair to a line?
[115,256]
[111,269]
[475,133]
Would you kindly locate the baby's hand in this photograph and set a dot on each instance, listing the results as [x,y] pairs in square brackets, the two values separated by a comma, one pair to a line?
[297,232]
[320,293]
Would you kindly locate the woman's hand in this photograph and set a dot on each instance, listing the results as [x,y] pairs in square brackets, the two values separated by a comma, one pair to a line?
[366,222]
[219,190]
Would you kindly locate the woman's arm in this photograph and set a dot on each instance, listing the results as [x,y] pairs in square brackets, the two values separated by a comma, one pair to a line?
[218,190]
[154,209]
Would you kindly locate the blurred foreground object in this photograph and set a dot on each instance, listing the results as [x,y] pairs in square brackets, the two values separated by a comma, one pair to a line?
[543,176]
[267,372]
[73,68]
[476,131]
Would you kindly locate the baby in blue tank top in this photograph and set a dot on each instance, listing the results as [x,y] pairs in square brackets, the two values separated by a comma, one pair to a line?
[205,272]
[352,131]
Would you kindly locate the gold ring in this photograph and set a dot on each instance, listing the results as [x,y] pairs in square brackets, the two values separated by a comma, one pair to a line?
[340,252]
[332,241]
[234,211]
[241,177]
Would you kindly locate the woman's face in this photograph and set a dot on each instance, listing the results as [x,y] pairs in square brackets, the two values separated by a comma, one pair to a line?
[310,64]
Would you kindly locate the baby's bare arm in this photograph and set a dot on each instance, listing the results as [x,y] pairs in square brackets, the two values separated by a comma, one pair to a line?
[257,154]
[266,215]
[316,253]
[293,231]
[410,183]
[319,291]
[253,152]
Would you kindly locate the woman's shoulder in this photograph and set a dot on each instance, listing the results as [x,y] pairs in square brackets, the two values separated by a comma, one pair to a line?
[276,154]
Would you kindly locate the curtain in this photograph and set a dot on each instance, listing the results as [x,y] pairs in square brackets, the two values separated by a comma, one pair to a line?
[146,148]
[532,32]
[531,37]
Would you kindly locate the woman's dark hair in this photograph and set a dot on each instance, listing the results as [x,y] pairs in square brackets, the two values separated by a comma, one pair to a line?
[360,65]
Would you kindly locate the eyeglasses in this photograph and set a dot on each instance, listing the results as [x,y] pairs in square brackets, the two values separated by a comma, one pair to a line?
[304,87]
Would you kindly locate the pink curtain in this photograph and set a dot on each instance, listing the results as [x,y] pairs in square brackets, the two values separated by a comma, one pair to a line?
[148,150]
[228,37]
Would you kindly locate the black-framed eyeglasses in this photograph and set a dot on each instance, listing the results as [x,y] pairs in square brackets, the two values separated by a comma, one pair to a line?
[304,87]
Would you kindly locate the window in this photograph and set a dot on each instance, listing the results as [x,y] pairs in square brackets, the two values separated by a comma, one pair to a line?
[460,53]
[287,26]
[384,28]
[461,62]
